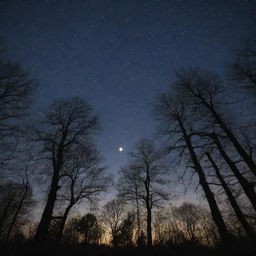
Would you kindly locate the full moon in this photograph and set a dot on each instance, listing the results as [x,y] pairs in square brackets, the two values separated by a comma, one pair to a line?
[120,149]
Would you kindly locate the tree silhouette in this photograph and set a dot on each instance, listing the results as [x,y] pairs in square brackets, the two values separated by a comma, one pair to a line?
[175,118]
[239,214]
[113,214]
[15,203]
[89,228]
[82,178]
[189,215]
[129,187]
[124,236]
[145,179]
[202,91]
[64,125]
[16,92]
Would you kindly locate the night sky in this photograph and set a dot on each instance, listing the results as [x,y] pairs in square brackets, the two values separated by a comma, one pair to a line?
[119,54]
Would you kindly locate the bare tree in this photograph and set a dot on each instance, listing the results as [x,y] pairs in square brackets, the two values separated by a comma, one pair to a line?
[124,236]
[189,215]
[82,178]
[16,202]
[113,215]
[145,179]
[128,187]
[71,235]
[25,202]
[187,223]
[16,91]
[247,186]
[89,227]
[64,125]
[177,126]
[202,91]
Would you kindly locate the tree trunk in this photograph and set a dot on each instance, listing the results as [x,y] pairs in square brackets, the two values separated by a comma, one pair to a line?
[215,212]
[240,216]
[148,207]
[149,229]
[63,222]
[247,187]
[42,230]
[138,215]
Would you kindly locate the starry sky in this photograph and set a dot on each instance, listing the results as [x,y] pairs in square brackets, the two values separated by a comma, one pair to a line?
[119,54]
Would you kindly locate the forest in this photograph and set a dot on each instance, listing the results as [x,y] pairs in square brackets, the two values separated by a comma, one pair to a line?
[205,139]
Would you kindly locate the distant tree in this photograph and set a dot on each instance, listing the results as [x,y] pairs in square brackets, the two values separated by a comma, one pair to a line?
[89,228]
[189,215]
[53,229]
[141,240]
[145,179]
[185,224]
[24,203]
[71,235]
[128,187]
[208,231]
[66,124]
[124,235]
[113,215]
[15,203]
[167,229]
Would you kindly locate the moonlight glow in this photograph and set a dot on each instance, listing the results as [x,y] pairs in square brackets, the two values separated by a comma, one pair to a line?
[120,149]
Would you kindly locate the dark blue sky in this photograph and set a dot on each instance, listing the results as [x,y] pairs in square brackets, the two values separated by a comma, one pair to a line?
[118,54]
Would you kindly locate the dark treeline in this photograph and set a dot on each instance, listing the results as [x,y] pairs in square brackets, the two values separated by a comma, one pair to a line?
[50,161]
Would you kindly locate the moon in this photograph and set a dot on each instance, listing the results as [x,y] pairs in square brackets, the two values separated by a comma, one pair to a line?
[120,149]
